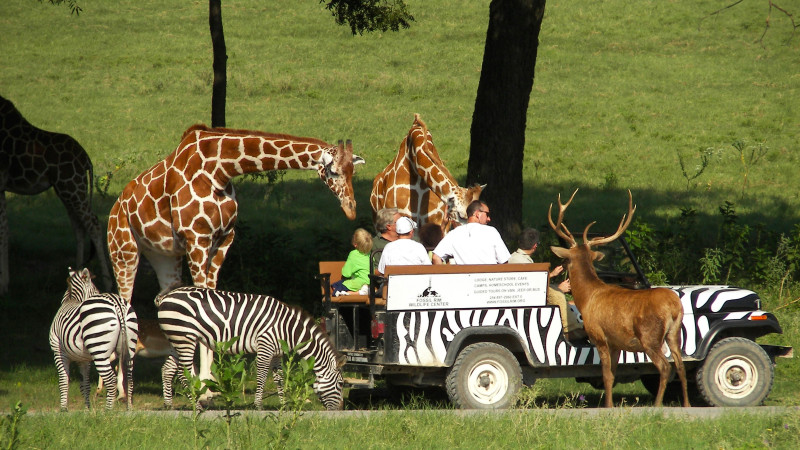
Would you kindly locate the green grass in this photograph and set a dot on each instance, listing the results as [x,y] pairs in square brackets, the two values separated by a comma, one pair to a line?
[621,90]
[515,429]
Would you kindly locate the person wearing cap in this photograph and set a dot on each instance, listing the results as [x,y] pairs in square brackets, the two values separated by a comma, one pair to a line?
[404,251]
[474,242]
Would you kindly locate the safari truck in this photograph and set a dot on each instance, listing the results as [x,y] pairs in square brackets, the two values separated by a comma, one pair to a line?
[482,331]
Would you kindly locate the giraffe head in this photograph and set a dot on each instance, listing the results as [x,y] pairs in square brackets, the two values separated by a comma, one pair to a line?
[335,167]
[458,200]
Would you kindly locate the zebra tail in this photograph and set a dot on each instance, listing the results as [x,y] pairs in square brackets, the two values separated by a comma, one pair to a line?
[122,344]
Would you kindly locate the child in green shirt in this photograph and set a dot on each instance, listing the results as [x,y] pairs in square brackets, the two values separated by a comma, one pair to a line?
[355,272]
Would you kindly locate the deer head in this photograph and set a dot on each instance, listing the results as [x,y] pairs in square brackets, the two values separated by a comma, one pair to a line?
[584,252]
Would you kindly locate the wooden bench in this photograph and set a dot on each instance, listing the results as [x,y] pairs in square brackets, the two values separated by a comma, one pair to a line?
[330,272]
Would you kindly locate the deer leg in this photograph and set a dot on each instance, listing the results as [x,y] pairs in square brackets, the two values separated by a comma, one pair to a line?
[661,363]
[608,375]
[673,342]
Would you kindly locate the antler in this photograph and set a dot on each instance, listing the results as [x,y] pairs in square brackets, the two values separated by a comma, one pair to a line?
[623,225]
[557,227]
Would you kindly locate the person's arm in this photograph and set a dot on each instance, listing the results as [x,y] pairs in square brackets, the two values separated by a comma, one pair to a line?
[349,267]
[436,259]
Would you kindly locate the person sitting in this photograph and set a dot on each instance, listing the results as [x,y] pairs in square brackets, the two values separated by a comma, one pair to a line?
[528,241]
[385,222]
[430,235]
[474,242]
[355,272]
[404,251]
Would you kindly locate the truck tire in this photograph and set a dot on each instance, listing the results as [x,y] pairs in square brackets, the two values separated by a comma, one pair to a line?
[736,372]
[484,376]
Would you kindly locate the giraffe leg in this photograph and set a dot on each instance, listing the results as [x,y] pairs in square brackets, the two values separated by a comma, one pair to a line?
[3,244]
[215,264]
[76,198]
[122,250]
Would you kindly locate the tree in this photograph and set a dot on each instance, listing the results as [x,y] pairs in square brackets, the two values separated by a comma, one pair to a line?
[497,142]
[361,15]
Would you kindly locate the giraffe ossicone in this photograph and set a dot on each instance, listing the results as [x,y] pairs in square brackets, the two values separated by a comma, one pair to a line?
[419,185]
[33,160]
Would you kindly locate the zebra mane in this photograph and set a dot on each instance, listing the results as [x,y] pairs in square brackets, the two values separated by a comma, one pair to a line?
[316,330]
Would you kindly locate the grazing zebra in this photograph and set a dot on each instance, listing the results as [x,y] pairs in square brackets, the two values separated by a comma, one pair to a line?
[190,315]
[90,326]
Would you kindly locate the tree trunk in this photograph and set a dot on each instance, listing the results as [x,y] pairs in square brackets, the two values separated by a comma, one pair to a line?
[219,88]
[498,123]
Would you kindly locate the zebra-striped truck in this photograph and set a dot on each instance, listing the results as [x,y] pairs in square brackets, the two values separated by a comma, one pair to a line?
[481,332]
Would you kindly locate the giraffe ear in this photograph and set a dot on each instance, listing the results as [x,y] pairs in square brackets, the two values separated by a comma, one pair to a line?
[358,160]
[325,159]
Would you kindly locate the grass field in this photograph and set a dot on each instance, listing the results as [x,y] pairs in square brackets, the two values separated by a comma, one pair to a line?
[624,91]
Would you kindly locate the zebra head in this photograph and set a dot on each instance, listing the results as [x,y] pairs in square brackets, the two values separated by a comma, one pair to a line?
[329,382]
[79,286]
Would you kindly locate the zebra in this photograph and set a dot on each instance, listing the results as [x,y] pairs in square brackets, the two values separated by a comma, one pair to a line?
[89,326]
[192,315]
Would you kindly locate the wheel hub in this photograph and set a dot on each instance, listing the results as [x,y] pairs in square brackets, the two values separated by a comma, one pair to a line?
[488,382]
[737,376]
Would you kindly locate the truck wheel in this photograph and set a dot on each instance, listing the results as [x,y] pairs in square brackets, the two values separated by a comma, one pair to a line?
[484,376]
[736,372]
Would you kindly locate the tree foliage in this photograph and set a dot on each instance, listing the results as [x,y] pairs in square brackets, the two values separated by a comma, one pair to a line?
[370,15]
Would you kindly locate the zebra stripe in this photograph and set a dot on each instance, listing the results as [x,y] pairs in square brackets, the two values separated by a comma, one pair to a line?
[91,326]
[190,315]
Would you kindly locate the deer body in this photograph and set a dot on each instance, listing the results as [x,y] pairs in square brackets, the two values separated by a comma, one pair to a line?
[617,319]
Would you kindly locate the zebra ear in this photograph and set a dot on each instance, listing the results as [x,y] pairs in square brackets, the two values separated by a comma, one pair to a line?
[341,360]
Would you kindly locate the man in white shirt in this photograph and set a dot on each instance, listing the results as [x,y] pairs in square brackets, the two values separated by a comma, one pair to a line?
[475,242]
[404,251]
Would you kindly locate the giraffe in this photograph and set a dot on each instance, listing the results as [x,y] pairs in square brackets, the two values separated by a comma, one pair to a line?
[419,185]
[186,204]
[33,160]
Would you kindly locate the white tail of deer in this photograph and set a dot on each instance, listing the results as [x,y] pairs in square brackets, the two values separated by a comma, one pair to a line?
[617,319]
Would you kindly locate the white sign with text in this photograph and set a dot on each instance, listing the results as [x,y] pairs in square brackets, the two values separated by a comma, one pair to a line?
[466,290]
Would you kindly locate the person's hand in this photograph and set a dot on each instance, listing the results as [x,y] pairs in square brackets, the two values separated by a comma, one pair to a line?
[557,271]
[565,286]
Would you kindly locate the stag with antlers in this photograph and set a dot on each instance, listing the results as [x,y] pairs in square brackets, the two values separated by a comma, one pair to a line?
[617,319]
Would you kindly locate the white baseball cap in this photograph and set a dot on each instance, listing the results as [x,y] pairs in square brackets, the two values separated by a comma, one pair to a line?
[404,225]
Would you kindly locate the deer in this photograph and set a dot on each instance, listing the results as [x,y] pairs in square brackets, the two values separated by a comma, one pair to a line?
[618,319]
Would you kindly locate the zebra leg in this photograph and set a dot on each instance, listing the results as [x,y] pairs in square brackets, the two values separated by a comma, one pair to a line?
[206,358]
[109,379]
[263,361]
[167,376]
[277,376]
[85,388]
[62,366]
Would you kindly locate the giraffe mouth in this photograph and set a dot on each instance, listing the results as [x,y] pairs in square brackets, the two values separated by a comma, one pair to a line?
[349,209]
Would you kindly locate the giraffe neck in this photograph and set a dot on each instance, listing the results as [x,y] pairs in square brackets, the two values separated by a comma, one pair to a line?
[229,153]
[429,166]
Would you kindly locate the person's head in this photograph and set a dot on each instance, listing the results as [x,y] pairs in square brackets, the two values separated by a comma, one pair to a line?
[528,239]
[385,221]
[430,234]
[405,227]
[478,212]
[362,240]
